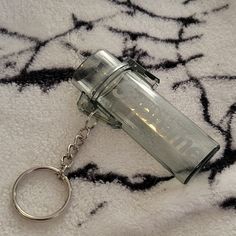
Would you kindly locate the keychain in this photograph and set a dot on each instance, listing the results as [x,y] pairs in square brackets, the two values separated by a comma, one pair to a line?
[123,94]
[66,162]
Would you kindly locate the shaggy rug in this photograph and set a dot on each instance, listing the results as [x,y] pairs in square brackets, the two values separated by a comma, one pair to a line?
[118,189]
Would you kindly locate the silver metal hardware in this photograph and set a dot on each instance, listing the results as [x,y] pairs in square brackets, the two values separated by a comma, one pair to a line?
[66,162]
[26,174]
[73,148]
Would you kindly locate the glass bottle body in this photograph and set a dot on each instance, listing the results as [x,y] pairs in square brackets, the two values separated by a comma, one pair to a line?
[123,93]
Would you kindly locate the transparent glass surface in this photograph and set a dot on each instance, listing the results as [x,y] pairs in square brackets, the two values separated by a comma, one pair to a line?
[94,71]
[166,133]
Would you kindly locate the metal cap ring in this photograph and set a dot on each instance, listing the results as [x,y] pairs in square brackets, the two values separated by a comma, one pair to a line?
[52,215]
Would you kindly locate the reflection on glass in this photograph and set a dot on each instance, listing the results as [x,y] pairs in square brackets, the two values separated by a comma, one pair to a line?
[168,135]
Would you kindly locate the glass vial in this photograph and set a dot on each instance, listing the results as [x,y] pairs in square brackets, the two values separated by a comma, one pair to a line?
[124,94]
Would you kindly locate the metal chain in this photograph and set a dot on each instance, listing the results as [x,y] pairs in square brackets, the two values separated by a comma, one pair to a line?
[73,148]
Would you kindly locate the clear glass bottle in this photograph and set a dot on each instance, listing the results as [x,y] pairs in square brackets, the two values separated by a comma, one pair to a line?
[124,94]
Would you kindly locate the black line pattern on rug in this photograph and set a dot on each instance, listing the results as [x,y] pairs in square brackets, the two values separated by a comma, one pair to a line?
[136,35]
[188,1]
[139,54]
[138,182]
[91,173]
[93,212]
[44,78]
[229,155]
[47,78]
[26,77]
[133,8]
[229,203]
[217,9]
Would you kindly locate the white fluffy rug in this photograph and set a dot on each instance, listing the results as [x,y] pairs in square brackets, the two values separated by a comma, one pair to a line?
[117,190]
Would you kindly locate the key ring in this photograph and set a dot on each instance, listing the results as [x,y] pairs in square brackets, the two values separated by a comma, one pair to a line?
[66,162]
[26,174]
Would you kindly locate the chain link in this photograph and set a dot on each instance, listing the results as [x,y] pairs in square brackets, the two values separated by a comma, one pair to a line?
[80,138]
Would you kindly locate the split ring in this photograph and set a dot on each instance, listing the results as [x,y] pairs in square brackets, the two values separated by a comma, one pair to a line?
[25,174]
